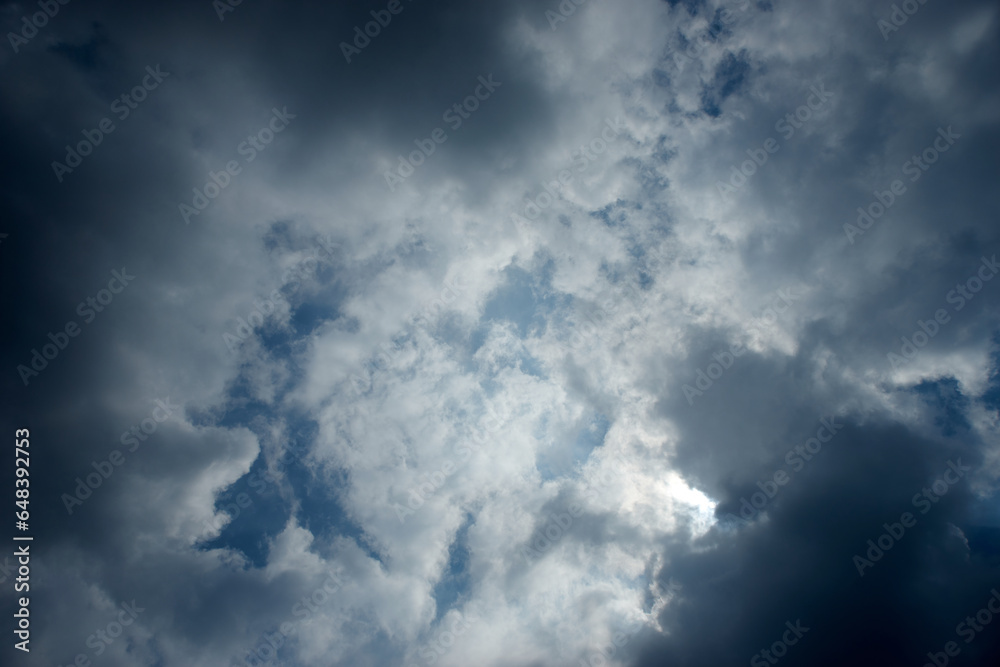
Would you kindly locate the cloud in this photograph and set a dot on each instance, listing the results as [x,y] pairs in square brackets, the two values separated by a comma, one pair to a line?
[445,422]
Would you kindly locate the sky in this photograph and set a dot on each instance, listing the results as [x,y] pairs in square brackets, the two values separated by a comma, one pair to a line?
[530,333]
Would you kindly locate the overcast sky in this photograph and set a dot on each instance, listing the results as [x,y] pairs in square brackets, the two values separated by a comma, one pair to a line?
[510,334]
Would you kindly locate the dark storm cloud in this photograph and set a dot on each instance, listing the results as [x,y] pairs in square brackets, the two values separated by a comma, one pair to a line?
[118,208]
[794,560]
[741,586]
